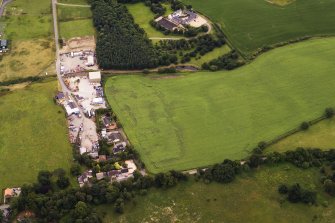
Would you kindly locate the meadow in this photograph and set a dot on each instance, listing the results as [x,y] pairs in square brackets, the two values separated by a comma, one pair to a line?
[251,198]
[192,120]
[33,134]
[28,26]
[251,24]
[75,21]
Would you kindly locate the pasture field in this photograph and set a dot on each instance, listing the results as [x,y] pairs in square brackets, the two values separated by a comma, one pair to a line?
[321,135]
[75,21]
[33,134]
[252,198]
[142,16]
[191,120]
[251,24]
[28,26]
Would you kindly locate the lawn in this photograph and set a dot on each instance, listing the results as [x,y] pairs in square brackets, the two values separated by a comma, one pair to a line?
[252,198]
[199,119]
[75,21]
[321,135]
[143,15]
[33,134]
[251,24]
[28,26]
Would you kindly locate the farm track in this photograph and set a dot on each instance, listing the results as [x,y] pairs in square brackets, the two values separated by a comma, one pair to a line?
[3,6]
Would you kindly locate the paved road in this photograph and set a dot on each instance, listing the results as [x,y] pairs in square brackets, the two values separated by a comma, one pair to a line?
[3,5]
[74,5]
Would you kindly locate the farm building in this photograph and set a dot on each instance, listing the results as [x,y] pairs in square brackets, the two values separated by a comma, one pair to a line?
[167,24]
[181,17]
[94,77]
[71,108]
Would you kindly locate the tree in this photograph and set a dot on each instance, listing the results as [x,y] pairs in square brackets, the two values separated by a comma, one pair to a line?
[304,126]
[329,112]
[81,210]
[44,177]
[119,205]
[63,182]
[282,189]
[329,187]
[75,169]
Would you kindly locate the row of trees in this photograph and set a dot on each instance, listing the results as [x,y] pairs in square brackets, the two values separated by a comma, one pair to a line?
[228,61]
[121,44]
[78,203]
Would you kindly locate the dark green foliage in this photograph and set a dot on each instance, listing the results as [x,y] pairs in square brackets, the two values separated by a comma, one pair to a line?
[283,189]
[329,112]
[121,44]
[228,62]
[304,126]
[75,169]
[169,70]
[63,182]
[296,194]
[223,173]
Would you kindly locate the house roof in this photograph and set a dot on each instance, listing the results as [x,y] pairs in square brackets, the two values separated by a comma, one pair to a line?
[106,120]
[3,43]
[8,192]
[167,24]
[60,95]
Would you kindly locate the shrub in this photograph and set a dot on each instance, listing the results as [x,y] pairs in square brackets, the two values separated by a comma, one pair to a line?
[329,112]
[304,126]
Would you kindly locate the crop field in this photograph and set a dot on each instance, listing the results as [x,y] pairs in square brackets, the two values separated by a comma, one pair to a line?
[75,21]
[27,24]
[251,24]
[191,120]
[33,134]
[321,135]
[142,16]
[252,198]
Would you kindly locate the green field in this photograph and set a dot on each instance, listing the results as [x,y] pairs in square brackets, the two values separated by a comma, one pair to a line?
[252,198]
[321,135]
[250,24]
[75,21]
[28,26]
[33,134]
[199,119]
[142,15]
[27,19]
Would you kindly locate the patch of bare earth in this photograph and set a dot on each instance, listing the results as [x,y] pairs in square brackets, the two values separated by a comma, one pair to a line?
[280,2]
[78,44]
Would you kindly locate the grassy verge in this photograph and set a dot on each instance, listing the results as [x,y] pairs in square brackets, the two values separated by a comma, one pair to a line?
[251,198]
[199,119]
[29,119]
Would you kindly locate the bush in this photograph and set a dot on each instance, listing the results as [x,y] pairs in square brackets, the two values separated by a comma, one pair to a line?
[304,126]
[329,112]
[283,189]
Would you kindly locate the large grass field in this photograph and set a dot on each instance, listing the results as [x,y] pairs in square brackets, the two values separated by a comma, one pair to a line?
[75,21]
[33,134]
[250,24]
[252,198]
[28,26]
[198,119]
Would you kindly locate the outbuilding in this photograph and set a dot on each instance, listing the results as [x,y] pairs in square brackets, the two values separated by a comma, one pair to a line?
[94,77]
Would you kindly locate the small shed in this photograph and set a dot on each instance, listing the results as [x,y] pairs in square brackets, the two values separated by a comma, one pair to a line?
[94,77]
[90,60]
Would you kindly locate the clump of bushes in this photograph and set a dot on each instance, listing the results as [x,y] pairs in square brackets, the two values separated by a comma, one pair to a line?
[296,194]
